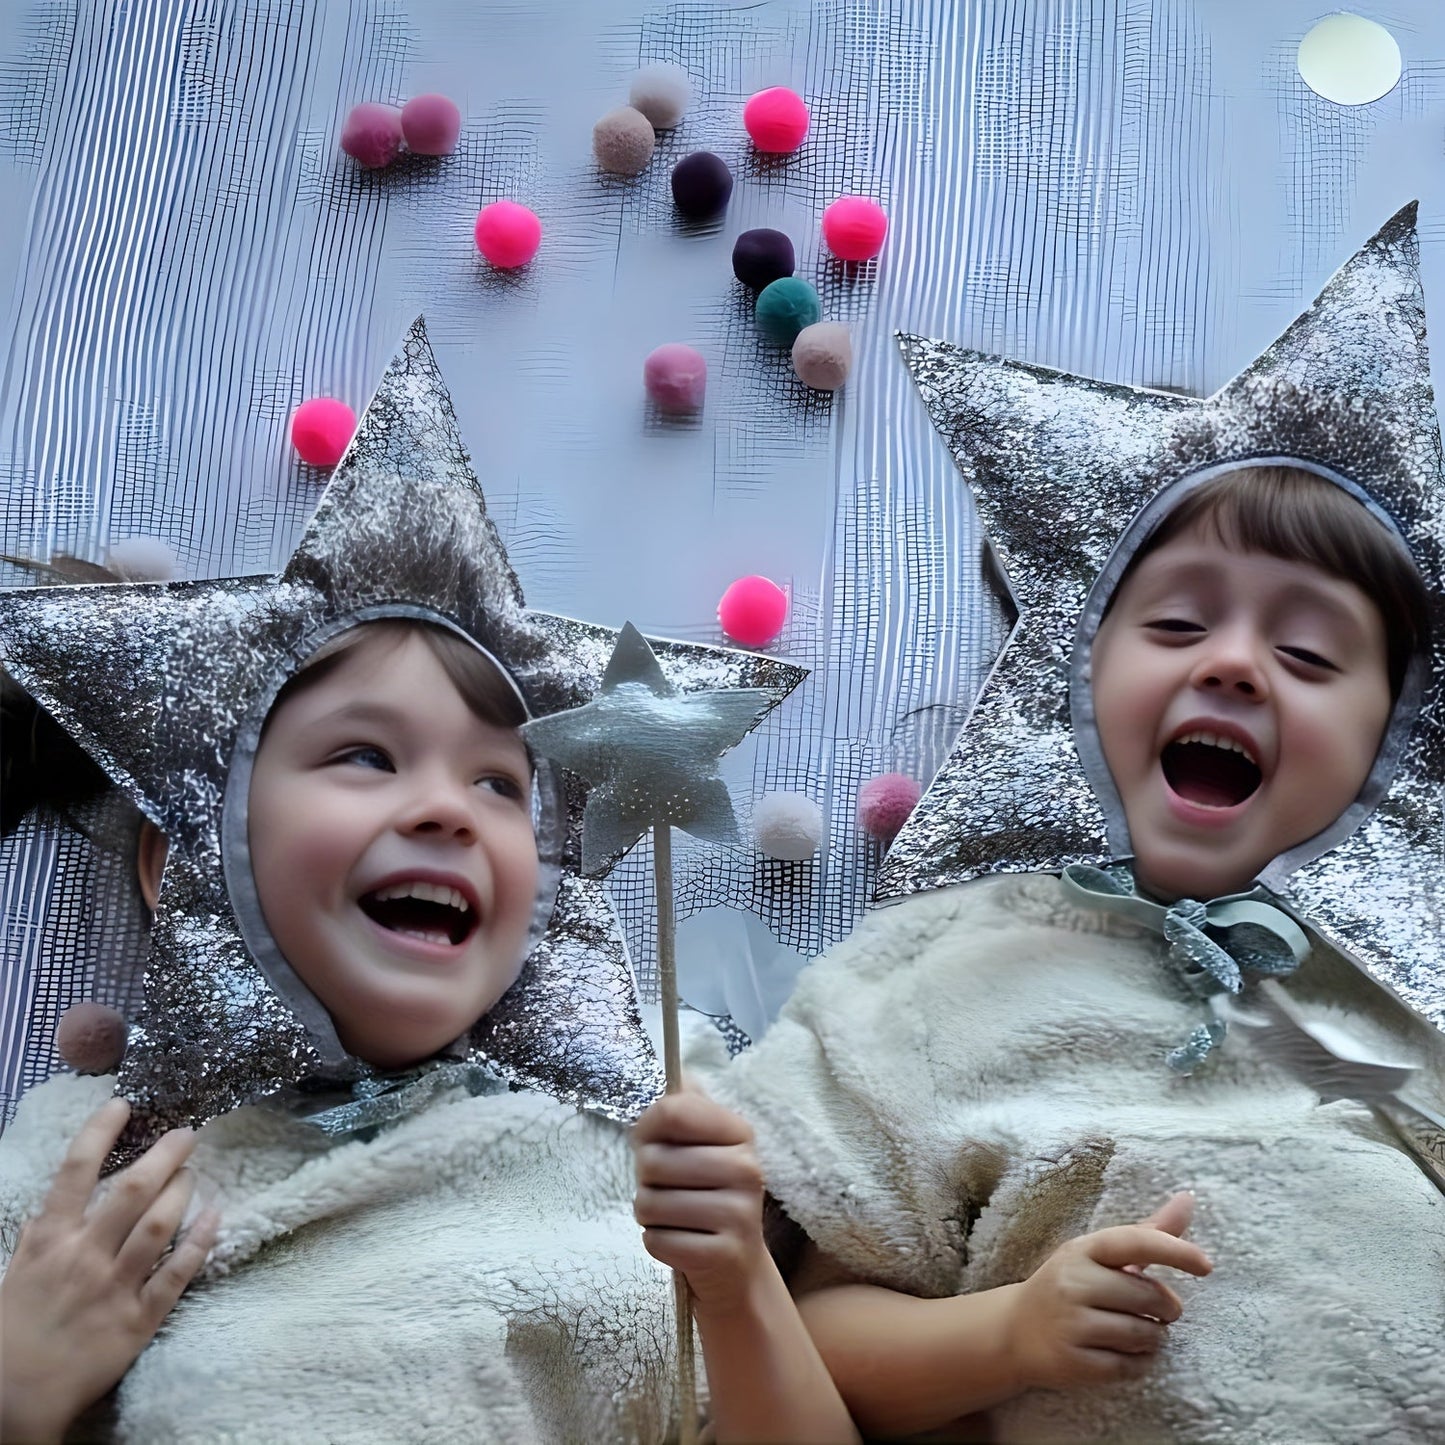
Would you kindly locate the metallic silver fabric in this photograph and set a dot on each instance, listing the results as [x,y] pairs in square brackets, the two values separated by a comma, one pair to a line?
[1070,475]
[168,685]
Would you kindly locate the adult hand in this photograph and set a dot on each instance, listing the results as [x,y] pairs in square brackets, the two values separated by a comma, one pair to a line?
[1089,1314]
[91,1280]
[700,1197]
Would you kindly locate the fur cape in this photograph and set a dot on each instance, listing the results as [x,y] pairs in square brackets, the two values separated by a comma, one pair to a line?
[976,1075]
[472,1273]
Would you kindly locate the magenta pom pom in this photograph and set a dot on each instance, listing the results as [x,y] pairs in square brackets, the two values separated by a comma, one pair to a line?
[508,234]
[777,120]
[431,125]
[854,228]
[321,429]
[90,1038]
[753,610]
[372,135]
[675,377]
[884,804]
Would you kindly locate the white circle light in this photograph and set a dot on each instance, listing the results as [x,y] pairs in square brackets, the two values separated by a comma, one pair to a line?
[1349,60]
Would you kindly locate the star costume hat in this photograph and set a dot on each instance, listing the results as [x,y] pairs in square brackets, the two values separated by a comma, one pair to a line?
[1070,475]
[168,686]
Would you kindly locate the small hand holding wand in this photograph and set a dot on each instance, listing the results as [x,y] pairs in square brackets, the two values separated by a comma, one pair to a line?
[651,754]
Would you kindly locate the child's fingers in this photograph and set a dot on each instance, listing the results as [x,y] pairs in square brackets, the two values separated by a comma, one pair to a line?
[1143,1245]
[1104,1367]
[132,1192]
[155,1229]
[168,1283]
[699,1166]
[1174,1215]
[687,1250]
[1115,1289]
[689,1118]
[1125,1333]
[79,1172]
[707,1211]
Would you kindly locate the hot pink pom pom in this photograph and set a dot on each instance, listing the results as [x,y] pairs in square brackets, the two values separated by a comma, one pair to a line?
[854,228]
[884,804]
[430,125]
[508,234]
[321,429]
[753,610]
[777,120]
[90,1038]
[372,135]
[675,377]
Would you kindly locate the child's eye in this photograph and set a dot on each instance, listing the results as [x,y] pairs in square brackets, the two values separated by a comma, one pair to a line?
[366,756]
[503,786]
[1174,624]
[1310,659]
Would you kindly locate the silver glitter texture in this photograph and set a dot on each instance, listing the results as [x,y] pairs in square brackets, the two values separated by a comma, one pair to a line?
[650,753]
[167,685]
[1060,466]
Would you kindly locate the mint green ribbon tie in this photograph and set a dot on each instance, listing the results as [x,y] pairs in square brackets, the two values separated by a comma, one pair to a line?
[1211,945]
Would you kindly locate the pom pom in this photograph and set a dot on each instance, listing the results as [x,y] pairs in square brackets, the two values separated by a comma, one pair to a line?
[90,1038]
[431,125]
[701,185]
[141,559]
[761,257]
[321,429]
[884,804]
[753,610]
[854,228]
[676,378]
[623,141]
[508,234]
[372,135]
[823,355]
[785,307]
[788,826]
[662,93]
[777,120]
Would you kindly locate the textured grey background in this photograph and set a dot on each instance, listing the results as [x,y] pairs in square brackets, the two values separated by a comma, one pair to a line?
[1141,191]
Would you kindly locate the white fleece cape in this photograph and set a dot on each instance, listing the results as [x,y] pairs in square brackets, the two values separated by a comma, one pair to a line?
[977,1075]
[472,1273]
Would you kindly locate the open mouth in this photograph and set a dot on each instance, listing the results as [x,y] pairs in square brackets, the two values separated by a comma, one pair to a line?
[432,912]
[1210,771]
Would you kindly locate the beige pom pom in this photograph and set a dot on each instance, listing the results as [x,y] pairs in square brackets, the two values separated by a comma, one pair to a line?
[90,1038]
[623,141]
[823,355]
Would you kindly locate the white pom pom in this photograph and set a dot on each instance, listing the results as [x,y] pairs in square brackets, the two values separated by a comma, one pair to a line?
[142,559]
[787,826]
[662,93]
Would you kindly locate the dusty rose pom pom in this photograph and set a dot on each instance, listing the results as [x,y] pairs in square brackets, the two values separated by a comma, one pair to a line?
[90,1038]
[675,377]
[884,804]
[372,135]
[430,125]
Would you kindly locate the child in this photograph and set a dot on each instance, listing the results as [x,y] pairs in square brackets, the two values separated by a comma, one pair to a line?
[975,1080]
[469,1272]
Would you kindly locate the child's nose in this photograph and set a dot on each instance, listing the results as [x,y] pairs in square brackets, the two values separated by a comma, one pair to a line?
[1232,665]
[442,809]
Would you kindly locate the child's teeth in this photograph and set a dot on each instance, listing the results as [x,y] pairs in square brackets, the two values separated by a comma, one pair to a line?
[428,893]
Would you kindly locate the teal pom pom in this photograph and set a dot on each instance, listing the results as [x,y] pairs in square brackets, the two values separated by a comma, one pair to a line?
[785,307]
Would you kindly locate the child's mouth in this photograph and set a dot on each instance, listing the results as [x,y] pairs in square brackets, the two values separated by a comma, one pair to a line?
[432,912]
[1210,771]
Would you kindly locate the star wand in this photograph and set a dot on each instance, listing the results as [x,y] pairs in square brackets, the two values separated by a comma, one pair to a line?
[651,754]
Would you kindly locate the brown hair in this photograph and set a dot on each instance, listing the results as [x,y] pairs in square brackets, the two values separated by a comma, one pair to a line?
[1293,514]
[483,687]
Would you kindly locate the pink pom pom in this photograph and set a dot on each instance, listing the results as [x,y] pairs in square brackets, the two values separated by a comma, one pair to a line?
[321,429]
[90,1038]
[508,234]
[675,377]
[777,120]
[854,228]
[884,804]
[372,135]
[753,610]
[430,125]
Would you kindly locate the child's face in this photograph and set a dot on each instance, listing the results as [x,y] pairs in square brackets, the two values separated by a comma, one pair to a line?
[392,847]
[1240,701]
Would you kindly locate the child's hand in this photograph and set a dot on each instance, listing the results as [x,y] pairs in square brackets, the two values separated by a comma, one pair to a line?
[700,1197]
[90,1282]
[1089,1314]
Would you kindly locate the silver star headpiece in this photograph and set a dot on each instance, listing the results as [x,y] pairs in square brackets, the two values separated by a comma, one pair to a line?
[1069,474]
[168,684]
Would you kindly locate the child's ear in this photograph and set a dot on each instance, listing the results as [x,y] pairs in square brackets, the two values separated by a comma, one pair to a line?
[150,861]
